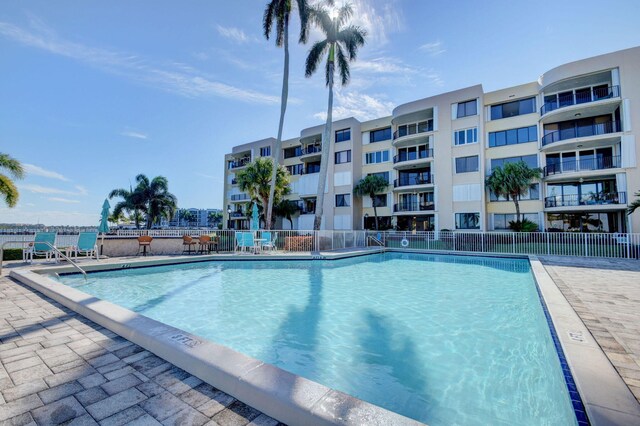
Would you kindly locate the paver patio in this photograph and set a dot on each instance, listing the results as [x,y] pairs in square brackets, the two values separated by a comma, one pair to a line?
[605,293]
[58,367]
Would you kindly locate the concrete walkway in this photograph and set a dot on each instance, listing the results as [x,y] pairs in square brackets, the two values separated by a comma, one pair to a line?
[605,293]
[58,367]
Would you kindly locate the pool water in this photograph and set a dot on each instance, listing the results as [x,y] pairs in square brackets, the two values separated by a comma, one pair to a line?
[441,339]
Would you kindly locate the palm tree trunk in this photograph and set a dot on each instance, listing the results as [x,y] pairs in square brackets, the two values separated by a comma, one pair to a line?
[277,148]
[375,210]
[326,147]
[515,201]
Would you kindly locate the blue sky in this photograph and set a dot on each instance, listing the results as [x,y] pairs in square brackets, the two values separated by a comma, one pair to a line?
[95,92]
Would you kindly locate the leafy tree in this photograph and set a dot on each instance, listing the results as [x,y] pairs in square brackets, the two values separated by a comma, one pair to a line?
[341,44]
[512,181]
[255,180]
[278,12]
[214,218]
[158,200]
[8,189]
[132,203]
[286,209]
[371,185]
[185,215]
[635,204]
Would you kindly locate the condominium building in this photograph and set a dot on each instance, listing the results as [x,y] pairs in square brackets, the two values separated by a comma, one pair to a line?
[580,123]
[200,218]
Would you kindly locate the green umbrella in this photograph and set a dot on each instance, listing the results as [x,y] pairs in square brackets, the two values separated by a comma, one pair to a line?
[104,221]
[255,220]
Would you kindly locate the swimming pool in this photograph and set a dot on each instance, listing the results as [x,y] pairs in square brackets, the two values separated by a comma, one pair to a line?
[441,339]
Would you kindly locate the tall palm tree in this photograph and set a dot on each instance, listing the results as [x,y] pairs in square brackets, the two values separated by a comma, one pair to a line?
[255,179]
[635,204]
[278,12]
[132,203]
[341,44]
[286,209]
[158,200]
[371,185]
[8,189]
[513,180]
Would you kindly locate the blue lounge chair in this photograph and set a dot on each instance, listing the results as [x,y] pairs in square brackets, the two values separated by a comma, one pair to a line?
[87,245]
[43,245]
[270,241]
[244,241]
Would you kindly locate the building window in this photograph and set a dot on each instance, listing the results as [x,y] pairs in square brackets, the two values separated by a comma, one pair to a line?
[343,157]
[501,221]
[529,160]
[265,151]
[467,220]
[343,135]
[379,200]
[532,194]
[383,175]
[465,109]
[465,137]
[296,151]
[380,135]
[343,200]
[512,109]
[513,136]
[467,164]
[296,169]
[376,157]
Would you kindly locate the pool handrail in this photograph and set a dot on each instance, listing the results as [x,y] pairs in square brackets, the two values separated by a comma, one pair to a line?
[75,265]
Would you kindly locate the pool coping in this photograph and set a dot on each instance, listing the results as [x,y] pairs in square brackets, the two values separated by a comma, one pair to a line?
[295,400]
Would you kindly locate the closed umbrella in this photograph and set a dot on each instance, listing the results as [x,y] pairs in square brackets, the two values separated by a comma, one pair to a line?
[255,220]
[104,222]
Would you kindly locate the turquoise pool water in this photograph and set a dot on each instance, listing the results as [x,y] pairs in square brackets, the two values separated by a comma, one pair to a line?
[442,339]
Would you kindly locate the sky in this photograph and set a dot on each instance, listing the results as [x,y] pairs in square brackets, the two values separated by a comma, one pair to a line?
[93,93]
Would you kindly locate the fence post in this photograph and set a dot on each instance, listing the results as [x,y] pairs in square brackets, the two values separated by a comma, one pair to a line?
[586,245]
[513,243]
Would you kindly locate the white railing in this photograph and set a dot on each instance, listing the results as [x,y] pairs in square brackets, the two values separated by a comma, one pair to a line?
[614,245]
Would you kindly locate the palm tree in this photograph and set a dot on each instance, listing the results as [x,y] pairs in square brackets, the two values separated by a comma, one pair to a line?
[158,200]
[8,189]
[286,209]
[371,185]
[279,12]
[132,202]
[635,205]
[255,179]
[214,218]
[513,180]
[341,44]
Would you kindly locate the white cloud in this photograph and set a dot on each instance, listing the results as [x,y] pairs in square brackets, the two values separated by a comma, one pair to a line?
[175,78]
[39,189]
[31,169]
[358,105]
[383,66]
[232,33]
[434,48]
[63,200]
[135,135]
[82,190]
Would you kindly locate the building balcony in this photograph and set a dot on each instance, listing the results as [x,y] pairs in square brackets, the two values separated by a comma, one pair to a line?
[588,200]
[412,131]
[413,157]
[578,97]
[236,198]
[309,170]
[418,179]
[311,153]
[236,164]
[413,207]
[237,215]
[582,165]
[581,131]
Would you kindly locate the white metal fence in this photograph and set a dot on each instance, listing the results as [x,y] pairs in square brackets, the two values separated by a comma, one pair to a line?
[536,243]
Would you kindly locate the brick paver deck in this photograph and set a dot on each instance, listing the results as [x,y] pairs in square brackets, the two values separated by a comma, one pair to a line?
[605,293]
[58,367]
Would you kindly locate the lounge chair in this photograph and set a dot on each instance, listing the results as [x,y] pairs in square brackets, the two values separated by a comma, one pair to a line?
[87,244]
[244,241]
[43,245]
[270,243]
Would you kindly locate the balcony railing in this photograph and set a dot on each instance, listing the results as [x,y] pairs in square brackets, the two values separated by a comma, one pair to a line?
[578,131]
[413,207]
[309,170]
[426,153]
[593,199]
[592,95]
[238,214]
[311,149]
[239,163]
[583,164]
[240,197]
[413,128]
[417,179]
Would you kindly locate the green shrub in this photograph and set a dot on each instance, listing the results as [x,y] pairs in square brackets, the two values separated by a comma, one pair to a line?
[12,254]
[523,226]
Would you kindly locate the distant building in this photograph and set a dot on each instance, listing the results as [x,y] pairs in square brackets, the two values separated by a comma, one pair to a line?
[199,218]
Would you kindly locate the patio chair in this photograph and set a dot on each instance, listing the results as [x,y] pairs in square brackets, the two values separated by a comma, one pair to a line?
[244,241]
[144,241]
[187,243]
[204,243]
[43,245]
[270,243]
[87,244]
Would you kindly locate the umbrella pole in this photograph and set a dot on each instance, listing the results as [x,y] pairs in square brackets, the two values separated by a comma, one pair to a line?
[101,245]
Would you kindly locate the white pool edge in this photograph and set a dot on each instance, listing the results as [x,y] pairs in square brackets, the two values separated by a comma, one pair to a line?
[284,396]
[606,397]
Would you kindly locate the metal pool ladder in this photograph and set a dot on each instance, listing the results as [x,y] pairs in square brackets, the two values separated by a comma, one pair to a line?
[74,264]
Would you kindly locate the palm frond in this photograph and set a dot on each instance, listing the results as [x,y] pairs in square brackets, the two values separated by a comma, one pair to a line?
[343,65]
[8,191]
[303,13]
[344,14]
[12,165]
[352,37]
[320,17]
[634,205]
[314,57]
[267,20]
